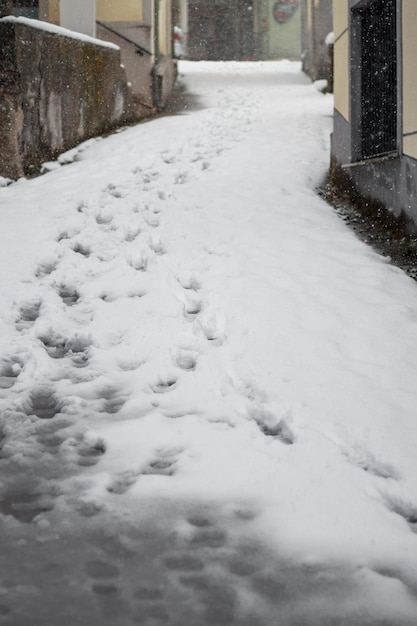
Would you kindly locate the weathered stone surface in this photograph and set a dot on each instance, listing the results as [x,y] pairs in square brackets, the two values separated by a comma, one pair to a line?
[55,91]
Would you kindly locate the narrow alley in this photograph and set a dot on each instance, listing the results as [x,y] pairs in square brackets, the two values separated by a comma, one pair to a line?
[207,383]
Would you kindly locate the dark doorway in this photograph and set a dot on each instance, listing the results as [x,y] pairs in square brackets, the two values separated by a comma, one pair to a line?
[376,41]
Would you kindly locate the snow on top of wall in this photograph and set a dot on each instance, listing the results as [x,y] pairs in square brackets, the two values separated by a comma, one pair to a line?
[58,30]
[329,41]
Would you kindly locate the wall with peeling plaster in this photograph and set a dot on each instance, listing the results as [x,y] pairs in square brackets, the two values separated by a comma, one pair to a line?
[55,91]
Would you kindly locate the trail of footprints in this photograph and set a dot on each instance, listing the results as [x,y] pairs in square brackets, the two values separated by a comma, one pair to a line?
[204,564]
[201,571]
[189,564]
[387,476]
[58,432]
[164,463]
[43,401]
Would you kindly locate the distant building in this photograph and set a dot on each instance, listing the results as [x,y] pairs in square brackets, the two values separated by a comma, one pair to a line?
[374,145]
[239,29]
[220,30]
[279,26]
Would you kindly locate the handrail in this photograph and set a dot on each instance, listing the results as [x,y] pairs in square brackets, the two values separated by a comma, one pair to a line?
[141,49]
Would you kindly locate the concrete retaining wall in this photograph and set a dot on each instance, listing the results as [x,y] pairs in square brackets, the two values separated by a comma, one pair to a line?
[55,91]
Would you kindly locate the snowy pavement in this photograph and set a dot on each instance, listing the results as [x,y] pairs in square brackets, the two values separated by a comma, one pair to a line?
[207,383]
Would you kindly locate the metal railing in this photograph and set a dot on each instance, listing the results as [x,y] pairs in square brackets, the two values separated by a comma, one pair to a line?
[140,49]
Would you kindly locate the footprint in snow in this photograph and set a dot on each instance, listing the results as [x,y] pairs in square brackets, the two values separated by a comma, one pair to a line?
[187,360]
[192,308]
[190,283]
[131,365]
[213,326]
[139,262]
[47,266]
[80,359]
[122,482]
[82,207]
[209,538]
[90,449]
[271,426]
[181,178]
[206,533]
[113,297]
[157,246]
[147,175]
[44,403]
[68,294]
[114,191]
[104,589]
[54,344]
[368,463]
[200,520]
[24,504]
[101,570]
[59,347]
[184,563]
[56,427]
[160,467]
[104,219]
[163,464]
[65,235]
[148,593]
[114,404]
[81,248]
[169,157]
[113,399]
[217,597]
[404,509]
[51,441]
[163,385]
[28,313]
[132,233]
[153,221]
[9,372]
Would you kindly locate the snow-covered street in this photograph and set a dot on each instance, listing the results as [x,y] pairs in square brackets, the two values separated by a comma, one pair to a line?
[207,383]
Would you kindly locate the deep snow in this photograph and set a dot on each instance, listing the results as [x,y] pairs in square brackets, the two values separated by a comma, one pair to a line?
[208,383]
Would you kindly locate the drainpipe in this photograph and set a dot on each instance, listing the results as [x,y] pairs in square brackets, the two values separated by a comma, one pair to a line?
[155,75]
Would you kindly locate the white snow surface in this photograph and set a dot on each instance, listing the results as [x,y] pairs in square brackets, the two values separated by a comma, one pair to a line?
[197,325]
[329,39]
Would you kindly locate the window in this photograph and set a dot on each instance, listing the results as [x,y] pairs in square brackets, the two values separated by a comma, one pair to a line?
[374,78]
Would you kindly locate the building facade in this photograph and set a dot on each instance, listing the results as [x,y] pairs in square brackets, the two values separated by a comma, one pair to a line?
[374,143]
[142,29]
[239,29]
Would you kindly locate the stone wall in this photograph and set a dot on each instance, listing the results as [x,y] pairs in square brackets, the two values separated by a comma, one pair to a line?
[56,90]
